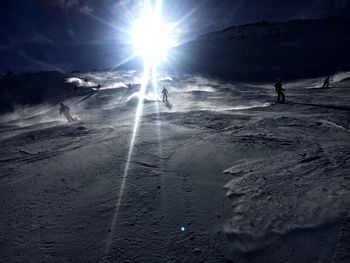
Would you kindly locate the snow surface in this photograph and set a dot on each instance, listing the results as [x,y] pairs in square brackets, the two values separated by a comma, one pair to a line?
[247,180]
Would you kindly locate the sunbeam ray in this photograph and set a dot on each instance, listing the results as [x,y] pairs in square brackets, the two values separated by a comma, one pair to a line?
[138,114]
[147,27]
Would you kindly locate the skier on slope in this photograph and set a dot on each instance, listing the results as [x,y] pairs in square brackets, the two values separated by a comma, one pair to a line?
[98,87]
[326,82]
[165,93]
[65,111]
[279,90]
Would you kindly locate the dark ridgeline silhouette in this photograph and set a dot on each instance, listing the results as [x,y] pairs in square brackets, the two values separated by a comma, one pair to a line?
[279,90]
[228,53]
[65,110]
[326,82]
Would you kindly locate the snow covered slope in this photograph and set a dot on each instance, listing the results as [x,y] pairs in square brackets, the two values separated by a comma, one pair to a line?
[263,51]
[226,175]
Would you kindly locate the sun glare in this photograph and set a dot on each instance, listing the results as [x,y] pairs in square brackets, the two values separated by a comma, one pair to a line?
[151,36]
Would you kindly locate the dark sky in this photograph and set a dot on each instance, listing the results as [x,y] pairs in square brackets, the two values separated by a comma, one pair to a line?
[90,34]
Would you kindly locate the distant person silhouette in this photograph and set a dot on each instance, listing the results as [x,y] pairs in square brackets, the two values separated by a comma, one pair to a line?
[9,73]
[279,90]
[98,87]
[65,110]
[165,93]
[326,82]
[75,89]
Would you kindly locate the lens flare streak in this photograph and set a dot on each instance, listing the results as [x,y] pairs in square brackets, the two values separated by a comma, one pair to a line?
[138,114]
[151,39]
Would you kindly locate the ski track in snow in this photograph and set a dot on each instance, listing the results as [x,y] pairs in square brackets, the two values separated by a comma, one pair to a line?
[241,174]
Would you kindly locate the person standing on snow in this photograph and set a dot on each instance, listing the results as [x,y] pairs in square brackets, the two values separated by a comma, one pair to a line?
[326,82]
[65,111]
[165,93]
[98,87]
[279,90]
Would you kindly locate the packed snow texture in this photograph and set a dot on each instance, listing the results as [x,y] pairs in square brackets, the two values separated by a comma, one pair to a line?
[249,180]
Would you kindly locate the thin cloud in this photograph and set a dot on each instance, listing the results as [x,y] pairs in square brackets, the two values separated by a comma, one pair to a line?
[85,9]
[40,38]
[38,64]
[83,6]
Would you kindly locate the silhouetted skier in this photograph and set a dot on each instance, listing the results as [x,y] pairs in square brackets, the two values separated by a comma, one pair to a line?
[279,90]
[9,73]
[326,82]
[165,93]
[98,87]
[75,89]
[65,111]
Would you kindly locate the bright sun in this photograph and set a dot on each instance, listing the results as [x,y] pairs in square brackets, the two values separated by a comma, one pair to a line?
[151,36]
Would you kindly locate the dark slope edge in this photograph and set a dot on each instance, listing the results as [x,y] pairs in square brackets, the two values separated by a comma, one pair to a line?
[32,88]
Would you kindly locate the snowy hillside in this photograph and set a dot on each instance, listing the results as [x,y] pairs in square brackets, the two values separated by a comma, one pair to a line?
[226,175]
[263,51]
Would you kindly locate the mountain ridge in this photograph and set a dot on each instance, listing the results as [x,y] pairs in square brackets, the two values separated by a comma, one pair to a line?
[264,51]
